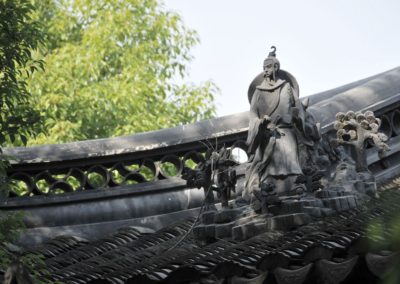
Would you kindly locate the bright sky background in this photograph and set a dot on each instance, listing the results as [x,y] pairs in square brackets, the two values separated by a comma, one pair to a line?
[323,43]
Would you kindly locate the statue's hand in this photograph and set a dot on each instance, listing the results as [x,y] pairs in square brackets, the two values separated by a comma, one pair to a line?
[265,121]
[267,118]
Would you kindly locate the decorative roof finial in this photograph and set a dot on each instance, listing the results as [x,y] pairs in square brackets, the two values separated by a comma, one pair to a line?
[273,52]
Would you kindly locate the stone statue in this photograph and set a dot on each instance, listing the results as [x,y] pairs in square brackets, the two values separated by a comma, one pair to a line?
[277,120]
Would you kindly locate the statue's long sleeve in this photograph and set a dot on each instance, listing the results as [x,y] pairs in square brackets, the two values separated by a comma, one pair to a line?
[254,126]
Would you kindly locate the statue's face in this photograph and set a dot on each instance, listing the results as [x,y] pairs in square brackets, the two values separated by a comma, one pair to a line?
[270,67]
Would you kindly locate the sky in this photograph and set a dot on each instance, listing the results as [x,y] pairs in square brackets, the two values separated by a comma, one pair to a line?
[323,43]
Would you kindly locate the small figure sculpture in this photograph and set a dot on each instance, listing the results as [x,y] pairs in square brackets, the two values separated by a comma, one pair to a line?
[217,166]
[201,177]
[226,176]
[276,118]
[355,129]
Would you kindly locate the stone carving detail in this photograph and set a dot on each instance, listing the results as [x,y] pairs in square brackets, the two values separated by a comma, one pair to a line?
[215,173]
[356,129]
[226,176]
[202,177]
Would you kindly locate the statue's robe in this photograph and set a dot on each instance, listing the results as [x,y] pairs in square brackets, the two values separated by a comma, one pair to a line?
[272,154]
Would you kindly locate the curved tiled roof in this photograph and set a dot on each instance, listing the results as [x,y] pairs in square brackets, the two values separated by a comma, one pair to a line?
[335,249]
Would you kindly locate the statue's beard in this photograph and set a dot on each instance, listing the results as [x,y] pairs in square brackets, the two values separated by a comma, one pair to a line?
[271,77]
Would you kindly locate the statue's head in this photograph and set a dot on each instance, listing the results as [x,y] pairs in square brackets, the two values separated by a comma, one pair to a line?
[271,64]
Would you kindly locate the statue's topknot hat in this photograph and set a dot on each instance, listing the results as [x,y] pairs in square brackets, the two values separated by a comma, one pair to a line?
[272,57]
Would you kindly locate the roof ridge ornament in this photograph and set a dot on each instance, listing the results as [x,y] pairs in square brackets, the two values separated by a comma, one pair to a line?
[273,52]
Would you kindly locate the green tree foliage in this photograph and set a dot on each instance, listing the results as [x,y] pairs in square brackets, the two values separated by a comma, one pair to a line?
[110,67]
[10,227]
[19,37]
[383,233]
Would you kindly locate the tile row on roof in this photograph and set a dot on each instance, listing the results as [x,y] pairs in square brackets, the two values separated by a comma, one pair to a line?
[336,249]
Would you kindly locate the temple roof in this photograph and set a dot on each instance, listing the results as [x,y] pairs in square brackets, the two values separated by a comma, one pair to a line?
[135,224]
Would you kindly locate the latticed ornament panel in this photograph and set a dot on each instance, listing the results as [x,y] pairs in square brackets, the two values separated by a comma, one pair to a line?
[109,176]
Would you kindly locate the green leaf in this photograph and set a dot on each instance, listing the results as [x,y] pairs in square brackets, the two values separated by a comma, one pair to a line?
[23,139]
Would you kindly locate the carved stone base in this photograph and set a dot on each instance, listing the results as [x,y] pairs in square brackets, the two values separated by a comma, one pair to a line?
[241,223]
